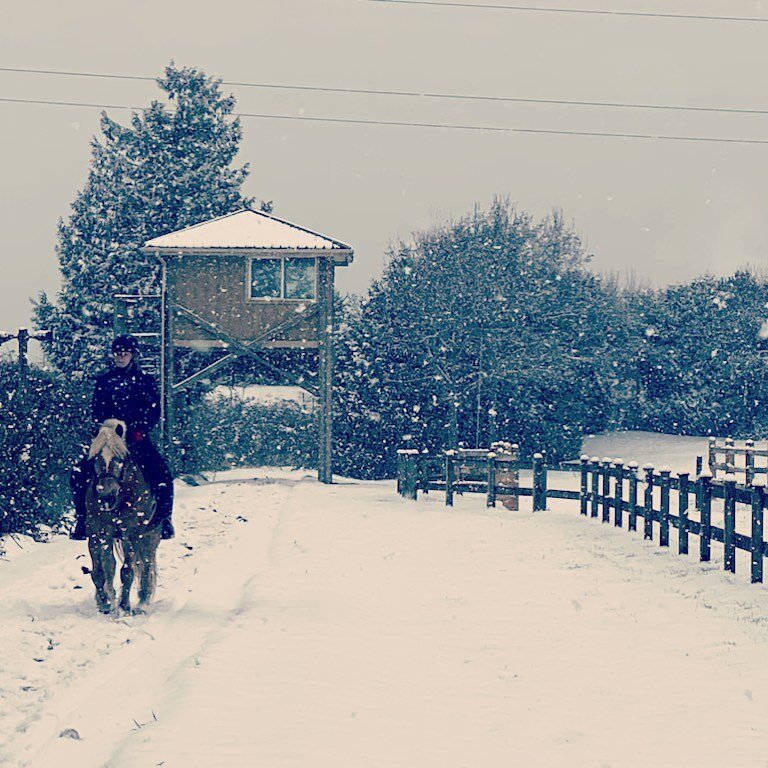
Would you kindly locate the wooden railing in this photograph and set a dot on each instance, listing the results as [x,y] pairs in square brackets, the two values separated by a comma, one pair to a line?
[727,457]
[611,491]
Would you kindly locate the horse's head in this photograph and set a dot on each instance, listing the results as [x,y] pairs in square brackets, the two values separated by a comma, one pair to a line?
[110,454]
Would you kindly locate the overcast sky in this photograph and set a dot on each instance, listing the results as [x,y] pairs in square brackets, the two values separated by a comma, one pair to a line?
[665,210]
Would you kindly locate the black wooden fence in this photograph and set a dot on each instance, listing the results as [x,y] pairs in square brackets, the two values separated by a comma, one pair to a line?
[727,457]
[613,492]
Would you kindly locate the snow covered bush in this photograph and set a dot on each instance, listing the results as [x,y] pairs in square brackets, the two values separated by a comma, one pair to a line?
[41,437]
[234,433]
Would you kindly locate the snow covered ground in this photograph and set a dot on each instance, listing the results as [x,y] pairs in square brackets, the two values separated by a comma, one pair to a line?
[304,625]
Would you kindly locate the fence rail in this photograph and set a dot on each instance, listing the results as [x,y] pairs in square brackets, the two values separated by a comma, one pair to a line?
[609,490]
[730,453]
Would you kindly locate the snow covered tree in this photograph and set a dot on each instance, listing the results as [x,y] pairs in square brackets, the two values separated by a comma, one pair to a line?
[486,328]
[699,363]
[170,168]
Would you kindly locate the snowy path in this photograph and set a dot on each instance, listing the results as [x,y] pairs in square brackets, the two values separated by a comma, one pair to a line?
[344,626]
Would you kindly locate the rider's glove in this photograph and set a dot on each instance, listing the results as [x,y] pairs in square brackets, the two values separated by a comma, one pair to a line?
[135,436]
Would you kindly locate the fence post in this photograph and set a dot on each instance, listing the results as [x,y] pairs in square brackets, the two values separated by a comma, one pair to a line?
[729,525]
[682,511]
[648,503]
[632,522]
[618,514]
[491,477]
[400,471]
[539,483]
[749,462]
[450,476]
[606,493]
[705,505]
[699,465]
[664,509]
[424,470]
[756,543]
[730,456]
[584,483]
[595,467]
[712,458]
[411,474]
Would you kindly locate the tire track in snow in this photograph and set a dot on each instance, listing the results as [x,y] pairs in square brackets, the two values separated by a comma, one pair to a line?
[109,670]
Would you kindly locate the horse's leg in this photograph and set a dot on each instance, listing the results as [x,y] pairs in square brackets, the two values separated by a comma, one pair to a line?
[126,574]
[147,561]
[98,548]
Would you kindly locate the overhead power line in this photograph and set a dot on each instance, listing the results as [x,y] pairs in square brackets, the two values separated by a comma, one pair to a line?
[589,11]
[415,94]
[405,124]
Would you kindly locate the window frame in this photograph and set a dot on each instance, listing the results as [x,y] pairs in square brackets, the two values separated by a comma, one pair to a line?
[281,258]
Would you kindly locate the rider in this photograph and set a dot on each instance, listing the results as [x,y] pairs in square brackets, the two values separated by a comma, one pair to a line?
[125,392]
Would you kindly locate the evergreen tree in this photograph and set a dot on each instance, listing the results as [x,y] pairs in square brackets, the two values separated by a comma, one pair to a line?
[170,168]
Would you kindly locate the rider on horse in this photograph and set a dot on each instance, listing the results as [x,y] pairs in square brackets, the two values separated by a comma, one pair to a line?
[125,392]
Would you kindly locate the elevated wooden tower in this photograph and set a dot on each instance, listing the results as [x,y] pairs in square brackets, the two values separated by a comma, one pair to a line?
[245,282]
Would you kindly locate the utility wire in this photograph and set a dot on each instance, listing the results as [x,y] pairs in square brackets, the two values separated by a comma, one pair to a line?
[416,94]
[404,124]
[590,11]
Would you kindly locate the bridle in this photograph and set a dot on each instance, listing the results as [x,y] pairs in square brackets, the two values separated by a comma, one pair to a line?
[110,502]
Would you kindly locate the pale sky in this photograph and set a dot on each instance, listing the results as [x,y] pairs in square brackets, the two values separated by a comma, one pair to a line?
[665,210]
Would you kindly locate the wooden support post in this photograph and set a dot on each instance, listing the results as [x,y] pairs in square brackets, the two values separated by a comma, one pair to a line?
[167,373]
[325,271]
[648,503]
[584,483]
[729,524]
[632,522]
[491,479]
[594,466]
[749,462]
[705,506]
[539,483]
[756,545]
[664,509]
[450,476]
[682,512]
[605,496]
[618,511]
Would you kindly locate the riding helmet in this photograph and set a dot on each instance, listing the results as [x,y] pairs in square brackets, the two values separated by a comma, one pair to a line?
[125,343]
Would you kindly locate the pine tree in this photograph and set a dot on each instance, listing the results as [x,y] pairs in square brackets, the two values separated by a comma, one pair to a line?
[170,168]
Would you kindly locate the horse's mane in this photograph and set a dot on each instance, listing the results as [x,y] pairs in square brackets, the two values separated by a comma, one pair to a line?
[108,442]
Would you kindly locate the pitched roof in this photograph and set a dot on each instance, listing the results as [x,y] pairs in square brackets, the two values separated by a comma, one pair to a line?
[246,229]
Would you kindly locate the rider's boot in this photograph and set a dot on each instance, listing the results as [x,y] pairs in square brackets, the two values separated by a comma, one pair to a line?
[162,517]
[166,529]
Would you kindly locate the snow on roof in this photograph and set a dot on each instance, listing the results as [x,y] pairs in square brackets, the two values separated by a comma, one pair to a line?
[245,229]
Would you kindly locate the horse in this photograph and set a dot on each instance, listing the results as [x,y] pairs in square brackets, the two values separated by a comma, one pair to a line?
[119,509]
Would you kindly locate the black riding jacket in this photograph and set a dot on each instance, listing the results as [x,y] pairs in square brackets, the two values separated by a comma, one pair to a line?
[127,394]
